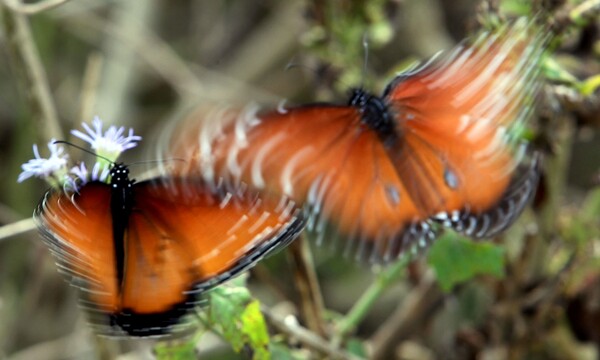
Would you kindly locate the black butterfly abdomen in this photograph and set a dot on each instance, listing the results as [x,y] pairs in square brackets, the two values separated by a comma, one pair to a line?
[121,205]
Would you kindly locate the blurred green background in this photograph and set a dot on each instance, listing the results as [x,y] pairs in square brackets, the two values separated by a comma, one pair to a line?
[138,63]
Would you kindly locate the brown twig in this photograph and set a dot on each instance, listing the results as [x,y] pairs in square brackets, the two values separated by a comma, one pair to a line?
[121,70]
[31,9]
[27,58]
[305,280]
[159,55]
[415,310]
[17,228]
[89,86]
[570,14]
[274,36]
[305,336]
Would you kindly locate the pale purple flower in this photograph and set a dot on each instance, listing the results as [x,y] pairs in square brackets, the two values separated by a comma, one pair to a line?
[79,175]
[99,172]
[80,172]
[45,168]
[109,144]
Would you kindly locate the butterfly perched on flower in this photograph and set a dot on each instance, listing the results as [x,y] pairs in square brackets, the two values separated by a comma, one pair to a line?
[143,253]
[440,146]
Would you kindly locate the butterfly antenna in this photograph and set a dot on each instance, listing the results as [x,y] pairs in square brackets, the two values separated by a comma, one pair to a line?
[365,43]
[293,65]
[83,149]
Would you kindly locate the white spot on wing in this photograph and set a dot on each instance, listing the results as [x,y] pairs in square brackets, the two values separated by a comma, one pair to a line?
[479,129]
[261,220]
[287,211]
[256,173]
[232,164]
[237,225]
[225,200]
[313,190]
[281,107]
[288,170]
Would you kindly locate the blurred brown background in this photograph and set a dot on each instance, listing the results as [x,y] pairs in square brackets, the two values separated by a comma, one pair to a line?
[138,63]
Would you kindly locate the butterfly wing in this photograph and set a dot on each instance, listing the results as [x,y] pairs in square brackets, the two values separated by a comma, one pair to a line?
[78,230]
[321,156]
[459,119]
[183,238]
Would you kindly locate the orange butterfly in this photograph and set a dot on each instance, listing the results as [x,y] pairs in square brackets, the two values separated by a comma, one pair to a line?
[439,146]
[143,253]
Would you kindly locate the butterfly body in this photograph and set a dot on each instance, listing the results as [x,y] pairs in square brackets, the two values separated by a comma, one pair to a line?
[375,113]
[121,205]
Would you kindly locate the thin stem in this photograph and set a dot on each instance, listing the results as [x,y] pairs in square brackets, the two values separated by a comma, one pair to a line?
[585,11]
[163,59]
[159,56]
[16,228]
[362,307]
[571,14]
[415,309]
[307,284]
[30,9]
[89,85]
[27,57]
[304,336]
[121,70]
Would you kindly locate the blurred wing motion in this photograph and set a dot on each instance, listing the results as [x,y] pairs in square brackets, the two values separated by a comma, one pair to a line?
[182,238]
[320,156]
[441,145]
[459,120]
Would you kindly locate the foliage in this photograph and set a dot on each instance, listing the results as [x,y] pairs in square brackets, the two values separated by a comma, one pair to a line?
[237,317]
[456,260]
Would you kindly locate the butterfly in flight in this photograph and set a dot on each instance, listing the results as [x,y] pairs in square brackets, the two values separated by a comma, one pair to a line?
[440,146]
[143,253]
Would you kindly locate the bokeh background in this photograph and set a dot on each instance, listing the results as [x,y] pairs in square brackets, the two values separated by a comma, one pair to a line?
[139,63]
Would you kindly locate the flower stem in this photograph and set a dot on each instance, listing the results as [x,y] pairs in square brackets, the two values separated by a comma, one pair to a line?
[362,307]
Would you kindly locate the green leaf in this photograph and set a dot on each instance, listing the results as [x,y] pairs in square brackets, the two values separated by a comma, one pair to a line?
[255,329]
[226,303]
[456,260]
[178,349]
[584,12]
[281,351]
[553,70]
[237,317]
[515,7]
[589,85]
[356,347]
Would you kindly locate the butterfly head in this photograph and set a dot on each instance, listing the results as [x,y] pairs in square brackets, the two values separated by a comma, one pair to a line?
[119,176]
[374,113]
